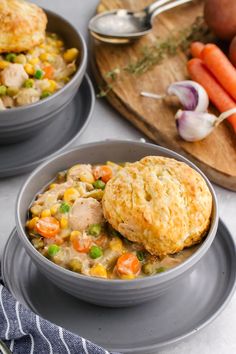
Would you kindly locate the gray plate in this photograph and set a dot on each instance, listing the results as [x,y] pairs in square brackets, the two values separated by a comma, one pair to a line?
[201,296]
[61,133]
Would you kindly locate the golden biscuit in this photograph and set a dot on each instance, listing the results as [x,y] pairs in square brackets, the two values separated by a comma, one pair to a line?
[159,202]
[23,25]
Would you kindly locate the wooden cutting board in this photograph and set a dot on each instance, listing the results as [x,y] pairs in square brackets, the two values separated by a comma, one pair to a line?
[215,155]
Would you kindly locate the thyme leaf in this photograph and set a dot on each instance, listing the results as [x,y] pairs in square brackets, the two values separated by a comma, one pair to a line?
[158,52]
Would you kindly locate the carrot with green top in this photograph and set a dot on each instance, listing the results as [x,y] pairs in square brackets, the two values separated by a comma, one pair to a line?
[196,49]
[220,66]
[218,96]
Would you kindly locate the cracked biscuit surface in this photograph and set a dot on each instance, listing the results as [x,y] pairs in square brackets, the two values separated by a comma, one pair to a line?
[23,25]
[159,202]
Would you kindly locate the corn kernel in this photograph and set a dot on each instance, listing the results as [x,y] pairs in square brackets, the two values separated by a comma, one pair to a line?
[59,44]
[31,223]
[33,61]
[64,222]
[52,86]
[98,270]
[74,234]
[45,213]
[20,59]
[4,64]
[127,276]
[116,244]
[36,210]
[54,209]
[45,57]
[29,69]
[71,54]
[52,185]
[70,195]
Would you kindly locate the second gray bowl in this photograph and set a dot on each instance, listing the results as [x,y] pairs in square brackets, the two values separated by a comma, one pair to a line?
[112,293]
[18,124]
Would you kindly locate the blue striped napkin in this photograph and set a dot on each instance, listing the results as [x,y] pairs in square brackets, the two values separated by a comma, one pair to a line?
[24,332]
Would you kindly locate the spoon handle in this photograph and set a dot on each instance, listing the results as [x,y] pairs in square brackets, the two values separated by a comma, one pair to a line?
[161,9]
[155,5]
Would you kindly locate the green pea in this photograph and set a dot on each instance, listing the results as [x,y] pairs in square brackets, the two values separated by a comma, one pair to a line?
[29,83]
[10,57]
[95,229]
[161,270]
[53,250]
[99,184]
[140,255]
[38,74]
[95,252]
[45,94]
[3,90]
[64,208]
[147,268]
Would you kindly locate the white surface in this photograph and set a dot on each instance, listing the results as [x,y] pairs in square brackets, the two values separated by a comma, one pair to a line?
[219,337]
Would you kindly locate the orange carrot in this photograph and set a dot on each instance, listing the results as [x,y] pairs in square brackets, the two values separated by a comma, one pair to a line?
[104,172]
[218,96]
[128,264]
[220,66]
[47,227]
[80,244]
[48,71]
[196,49]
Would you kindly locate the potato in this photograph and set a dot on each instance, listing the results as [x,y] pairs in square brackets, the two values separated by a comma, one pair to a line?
[232,51]
[220,16]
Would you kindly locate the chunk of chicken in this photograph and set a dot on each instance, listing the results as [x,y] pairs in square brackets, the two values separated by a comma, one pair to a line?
[27,96]
[8,101]
[68,71]
[50,197]
[14,75]
[2,107]
[85,212]
[81,172]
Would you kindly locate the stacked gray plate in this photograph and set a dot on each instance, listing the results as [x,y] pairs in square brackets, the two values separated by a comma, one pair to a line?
[186,308]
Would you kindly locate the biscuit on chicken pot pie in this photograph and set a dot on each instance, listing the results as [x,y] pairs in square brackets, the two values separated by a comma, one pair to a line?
[159,202]
[23,25]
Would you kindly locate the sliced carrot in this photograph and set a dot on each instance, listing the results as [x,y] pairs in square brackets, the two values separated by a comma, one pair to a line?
[220,66]
[128,264]
[47,227]
[101,240]
[104,172]
[48,72]
[218,96]
[196,49]
[80,244]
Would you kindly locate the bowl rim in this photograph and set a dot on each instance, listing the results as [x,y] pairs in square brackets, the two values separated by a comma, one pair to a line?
[161,277]
[79,71]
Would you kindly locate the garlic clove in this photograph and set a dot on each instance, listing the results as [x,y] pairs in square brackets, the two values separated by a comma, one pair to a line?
[192,95]
[194,126]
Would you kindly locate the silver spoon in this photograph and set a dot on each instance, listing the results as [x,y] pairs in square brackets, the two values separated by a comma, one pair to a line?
[123,26]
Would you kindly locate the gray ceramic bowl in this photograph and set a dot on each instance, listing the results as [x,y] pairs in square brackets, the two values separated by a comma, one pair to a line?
[113,293]
[20,123]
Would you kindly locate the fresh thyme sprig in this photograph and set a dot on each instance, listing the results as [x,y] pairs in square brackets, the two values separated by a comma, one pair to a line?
[155,54]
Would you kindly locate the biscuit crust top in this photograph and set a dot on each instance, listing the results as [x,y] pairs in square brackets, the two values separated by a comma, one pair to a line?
[159,202]
[23,25]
